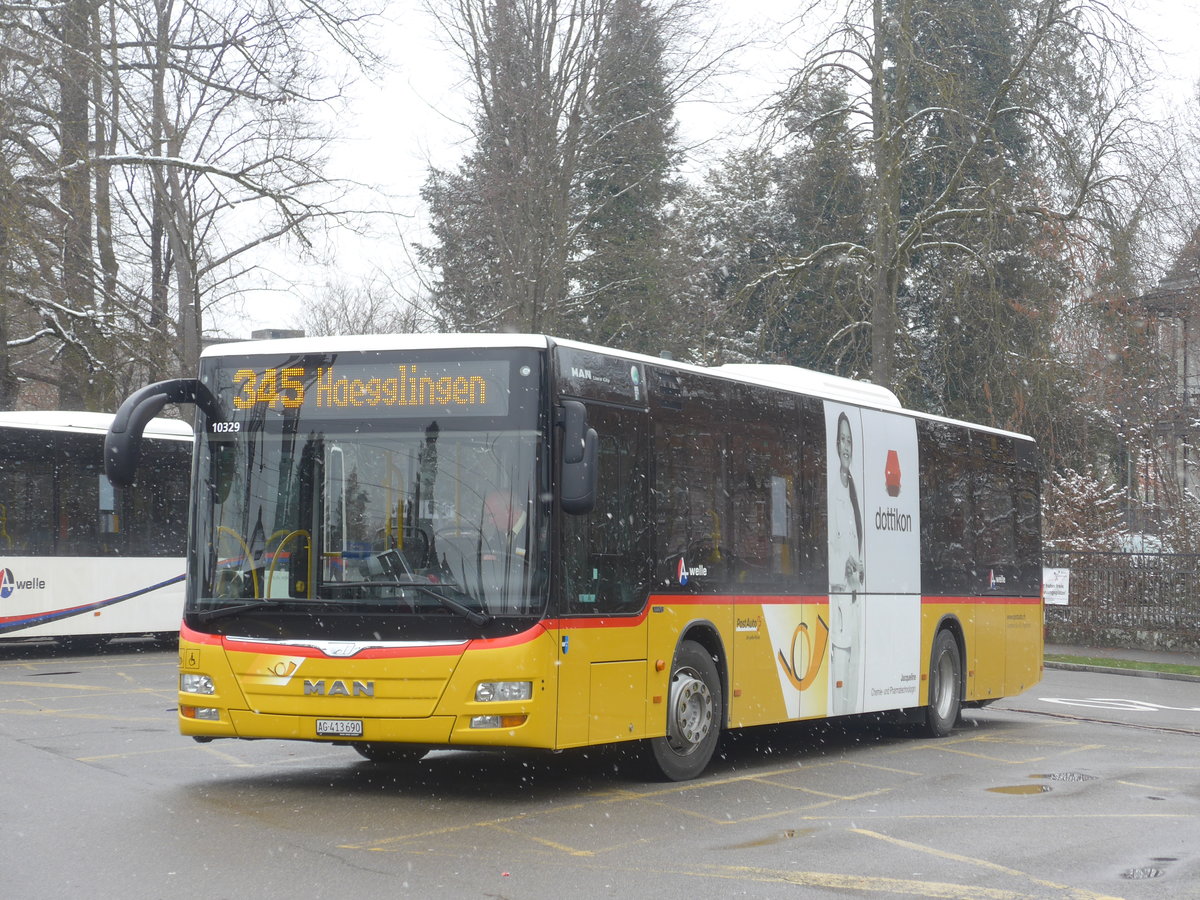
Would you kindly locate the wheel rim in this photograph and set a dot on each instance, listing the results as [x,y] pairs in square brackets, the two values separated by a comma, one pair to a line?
[691,711]
[944,686]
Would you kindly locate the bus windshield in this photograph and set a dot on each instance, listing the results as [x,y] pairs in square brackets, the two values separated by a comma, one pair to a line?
[370,523]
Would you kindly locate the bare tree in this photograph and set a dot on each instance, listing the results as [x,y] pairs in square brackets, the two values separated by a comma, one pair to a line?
[531,67]
[942,162]
[376,307]
[180,136]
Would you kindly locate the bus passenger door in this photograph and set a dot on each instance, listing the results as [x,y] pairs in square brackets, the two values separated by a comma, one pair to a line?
[603,578]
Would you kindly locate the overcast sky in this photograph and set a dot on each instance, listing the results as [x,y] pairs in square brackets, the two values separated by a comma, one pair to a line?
[411,116]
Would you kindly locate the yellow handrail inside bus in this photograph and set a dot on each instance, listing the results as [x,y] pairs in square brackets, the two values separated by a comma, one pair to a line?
[4,525]
[246,550]
[285,532]
[299,532]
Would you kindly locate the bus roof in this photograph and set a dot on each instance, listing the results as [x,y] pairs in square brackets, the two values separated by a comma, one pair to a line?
[790,378]
[88,423]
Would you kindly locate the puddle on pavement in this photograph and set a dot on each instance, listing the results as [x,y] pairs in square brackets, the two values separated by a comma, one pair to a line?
[776,837]
[1060,777]
[1022,789]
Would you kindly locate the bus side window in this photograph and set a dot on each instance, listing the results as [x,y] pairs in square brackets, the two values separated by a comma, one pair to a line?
[27,494]
[811,510]
[764,488]
[995,510]
[79,470]
[947,520]
[692,504]
[606,552]
[1028,509]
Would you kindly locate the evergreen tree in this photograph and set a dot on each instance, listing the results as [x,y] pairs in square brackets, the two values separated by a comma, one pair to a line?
[982,319]
[772,207]
[558,219]
[623,278]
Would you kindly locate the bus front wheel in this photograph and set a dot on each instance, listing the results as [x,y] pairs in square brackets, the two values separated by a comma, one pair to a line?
[693,715]
[945,686]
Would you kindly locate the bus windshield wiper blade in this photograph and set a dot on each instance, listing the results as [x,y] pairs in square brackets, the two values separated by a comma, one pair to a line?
[208,615]
[474,616]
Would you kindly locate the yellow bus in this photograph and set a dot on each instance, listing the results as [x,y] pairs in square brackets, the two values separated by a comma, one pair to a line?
[411,542]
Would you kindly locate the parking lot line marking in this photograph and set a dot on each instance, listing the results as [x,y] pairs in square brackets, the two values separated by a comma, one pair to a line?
[891,769]
[545,842]
[1072,892]
[68,714]
[866,883]
[227,757]
[62,685]
[130,755]
[1148,787]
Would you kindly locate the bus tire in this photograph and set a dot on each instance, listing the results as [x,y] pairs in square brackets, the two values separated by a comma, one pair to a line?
[945,686]
[693,715]
[391,754]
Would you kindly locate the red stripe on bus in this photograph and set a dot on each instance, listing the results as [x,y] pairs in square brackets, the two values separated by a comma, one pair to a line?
[983,601]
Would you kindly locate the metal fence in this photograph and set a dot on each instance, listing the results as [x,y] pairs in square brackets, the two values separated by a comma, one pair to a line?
[1135,600]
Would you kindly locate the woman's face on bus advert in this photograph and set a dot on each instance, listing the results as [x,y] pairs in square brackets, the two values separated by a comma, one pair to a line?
[845,444]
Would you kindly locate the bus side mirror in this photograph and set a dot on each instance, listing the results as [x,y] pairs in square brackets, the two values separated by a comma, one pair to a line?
[577,489]
[123,442]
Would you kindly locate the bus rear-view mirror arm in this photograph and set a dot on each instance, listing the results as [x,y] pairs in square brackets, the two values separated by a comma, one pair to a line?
[577,490]
[123,443]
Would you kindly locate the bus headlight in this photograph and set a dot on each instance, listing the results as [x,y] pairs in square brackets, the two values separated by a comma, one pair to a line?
[196,684]
[493,691]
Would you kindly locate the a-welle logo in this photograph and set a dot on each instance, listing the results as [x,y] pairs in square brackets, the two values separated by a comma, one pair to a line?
[9,583]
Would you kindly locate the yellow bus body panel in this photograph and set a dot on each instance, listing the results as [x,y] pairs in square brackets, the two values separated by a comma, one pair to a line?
[594,681]
[418,696]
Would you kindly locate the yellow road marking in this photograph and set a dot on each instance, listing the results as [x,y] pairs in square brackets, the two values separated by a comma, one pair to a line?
[70,687]
[1077,893]
[130,755]
[869,884]
[230,758]
[545,842]
[67,714]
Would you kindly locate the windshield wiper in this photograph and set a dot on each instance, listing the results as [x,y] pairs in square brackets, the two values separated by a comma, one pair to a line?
[474,616]
[208,615]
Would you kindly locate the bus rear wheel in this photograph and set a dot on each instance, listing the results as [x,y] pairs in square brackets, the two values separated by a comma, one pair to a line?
[693,715]
[391,754]
[945,686]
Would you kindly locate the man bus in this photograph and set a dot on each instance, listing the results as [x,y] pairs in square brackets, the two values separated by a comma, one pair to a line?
[685,549]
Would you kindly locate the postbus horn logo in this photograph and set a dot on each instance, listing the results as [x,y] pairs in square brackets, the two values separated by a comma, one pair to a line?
[891,473]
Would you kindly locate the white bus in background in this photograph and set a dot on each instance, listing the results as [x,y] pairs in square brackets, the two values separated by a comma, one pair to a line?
[80,560]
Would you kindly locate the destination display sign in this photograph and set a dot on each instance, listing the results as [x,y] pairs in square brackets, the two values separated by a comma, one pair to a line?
[475,387]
